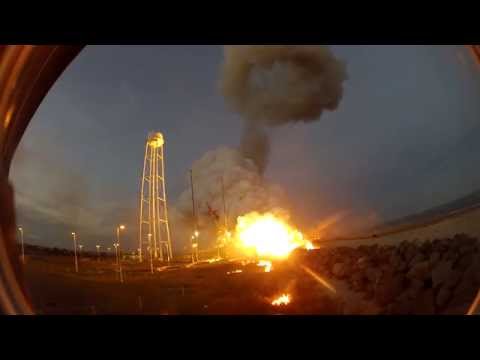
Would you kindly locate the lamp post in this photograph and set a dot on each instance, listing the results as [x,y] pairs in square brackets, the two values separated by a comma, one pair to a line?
[151,253]
[75,250]
[195,236]
[98,252]
[23,248]
[115,245]
[119,251]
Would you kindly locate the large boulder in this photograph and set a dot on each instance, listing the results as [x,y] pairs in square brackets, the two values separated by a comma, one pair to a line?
[435,257]
[401,306]
[420,271]
[472,273]
[443,296]
[389,288]
[409,252]
[439,245]
[415,288]
[358,281]
[426,248]
[441,272]
[363,263]
[465,292]
[463,239]
[464,261]
[424,304]
[453,279]
[369,291]
[450,255]
[340,270]
[418,258]
[373,274]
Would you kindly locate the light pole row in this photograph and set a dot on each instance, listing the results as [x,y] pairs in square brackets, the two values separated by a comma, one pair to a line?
[116,245]
[80,247]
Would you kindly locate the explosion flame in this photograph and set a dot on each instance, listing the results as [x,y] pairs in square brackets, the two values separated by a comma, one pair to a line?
[265,264]
[268,236]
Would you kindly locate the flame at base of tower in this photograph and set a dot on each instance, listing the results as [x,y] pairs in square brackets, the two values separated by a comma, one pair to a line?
[268,236]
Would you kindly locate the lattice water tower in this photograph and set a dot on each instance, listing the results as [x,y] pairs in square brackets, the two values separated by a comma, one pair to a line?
[154,231]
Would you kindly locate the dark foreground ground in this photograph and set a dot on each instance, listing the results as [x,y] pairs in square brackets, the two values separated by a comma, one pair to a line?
[432,277]
[202,289]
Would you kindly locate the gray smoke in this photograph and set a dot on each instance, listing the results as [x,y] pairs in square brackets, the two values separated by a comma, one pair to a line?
[268,85]
[273,85]
[255,145]
[245,190]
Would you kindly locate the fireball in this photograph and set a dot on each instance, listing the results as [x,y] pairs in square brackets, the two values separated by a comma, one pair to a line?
[268,236]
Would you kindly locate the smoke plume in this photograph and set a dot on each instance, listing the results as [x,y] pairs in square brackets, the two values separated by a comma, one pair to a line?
[255,145]
[273,85]
[269,86]
[245,190]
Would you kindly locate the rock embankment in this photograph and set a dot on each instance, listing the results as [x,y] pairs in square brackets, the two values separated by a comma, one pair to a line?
[432,277]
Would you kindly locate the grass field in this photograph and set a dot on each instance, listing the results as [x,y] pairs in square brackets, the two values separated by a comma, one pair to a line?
[55,288]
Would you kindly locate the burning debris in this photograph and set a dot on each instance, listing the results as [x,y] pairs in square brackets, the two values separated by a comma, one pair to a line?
[265,264]
[283,300]
[214,260]
[239,271]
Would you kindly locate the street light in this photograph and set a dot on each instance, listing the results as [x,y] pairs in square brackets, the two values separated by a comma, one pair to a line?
[115,245]
[98,252]
[195,236]
[151,253]
[119,251]
[23,248]
[75,250]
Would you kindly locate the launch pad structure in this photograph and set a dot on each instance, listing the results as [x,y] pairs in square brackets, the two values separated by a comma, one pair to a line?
[154,230]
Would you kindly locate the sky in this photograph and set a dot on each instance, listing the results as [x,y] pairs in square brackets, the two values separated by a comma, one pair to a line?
[403,140]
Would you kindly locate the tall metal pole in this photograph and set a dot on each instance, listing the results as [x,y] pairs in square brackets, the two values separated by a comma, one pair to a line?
[195,222]
[151,253]
[165,208]
[225,221]
[194,212]
[75,250]
[23,247]
[151,199]
[224,205]
[116,254]
[142,200]
[157,206]
[120,270]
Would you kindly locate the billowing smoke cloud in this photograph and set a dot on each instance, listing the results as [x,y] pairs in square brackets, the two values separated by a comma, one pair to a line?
[244,188]
[273,85]
[268,85]
[278,84]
